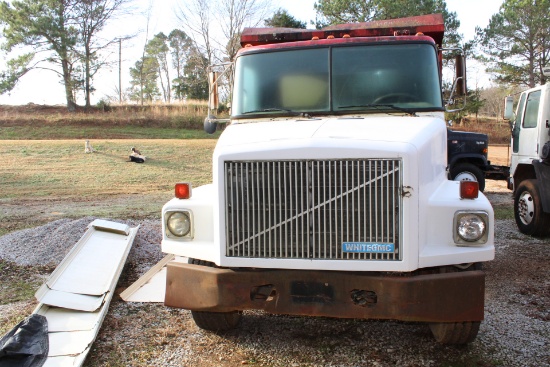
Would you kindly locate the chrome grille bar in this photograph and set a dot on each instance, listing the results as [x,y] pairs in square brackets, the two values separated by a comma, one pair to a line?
[308,209]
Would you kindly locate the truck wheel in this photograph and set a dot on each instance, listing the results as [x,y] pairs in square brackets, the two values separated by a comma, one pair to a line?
[468,172]
[455,332]
[214,321]
[528,212]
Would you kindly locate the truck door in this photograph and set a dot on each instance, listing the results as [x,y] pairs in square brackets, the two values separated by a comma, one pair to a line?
[525,134]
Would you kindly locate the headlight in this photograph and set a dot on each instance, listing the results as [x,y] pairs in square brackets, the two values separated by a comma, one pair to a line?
[471,228]
[178,224]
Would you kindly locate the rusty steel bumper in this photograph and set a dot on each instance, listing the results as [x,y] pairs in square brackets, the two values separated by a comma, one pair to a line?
[445,297]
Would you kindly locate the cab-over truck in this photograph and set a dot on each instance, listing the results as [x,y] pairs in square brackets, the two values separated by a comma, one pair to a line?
[330,193]
[530,159]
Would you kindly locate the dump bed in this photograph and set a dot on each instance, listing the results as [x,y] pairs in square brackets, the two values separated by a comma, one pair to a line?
[430,25]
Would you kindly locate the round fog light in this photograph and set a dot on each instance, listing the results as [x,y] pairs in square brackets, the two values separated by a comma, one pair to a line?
[179,224]
[471,227]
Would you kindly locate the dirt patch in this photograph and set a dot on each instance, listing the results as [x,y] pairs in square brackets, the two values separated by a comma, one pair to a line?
[499,155]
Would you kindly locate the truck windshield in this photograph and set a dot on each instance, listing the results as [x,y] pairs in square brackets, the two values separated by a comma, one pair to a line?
[398,77]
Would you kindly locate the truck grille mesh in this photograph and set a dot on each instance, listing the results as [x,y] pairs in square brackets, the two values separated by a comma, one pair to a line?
[308,209]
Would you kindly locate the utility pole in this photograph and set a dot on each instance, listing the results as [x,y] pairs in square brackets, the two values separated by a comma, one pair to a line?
[120,70]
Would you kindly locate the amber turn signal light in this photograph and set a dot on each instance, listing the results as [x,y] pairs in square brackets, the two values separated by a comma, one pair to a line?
[183,190]
[469,189]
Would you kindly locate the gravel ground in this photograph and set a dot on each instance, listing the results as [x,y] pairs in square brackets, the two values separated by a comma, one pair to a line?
[516,331]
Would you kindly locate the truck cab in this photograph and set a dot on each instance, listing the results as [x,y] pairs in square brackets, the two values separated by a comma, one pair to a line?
[330,193]
[467,156]
[530,160]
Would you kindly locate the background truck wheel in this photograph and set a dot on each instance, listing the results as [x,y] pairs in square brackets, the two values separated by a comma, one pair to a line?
[214,321]
[468,172]
[530,218]
[455,332]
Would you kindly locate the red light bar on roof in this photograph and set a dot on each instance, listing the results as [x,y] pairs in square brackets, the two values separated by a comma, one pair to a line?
[430,25]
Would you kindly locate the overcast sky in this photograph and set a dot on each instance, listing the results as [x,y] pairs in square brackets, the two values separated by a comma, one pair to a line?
[42,87]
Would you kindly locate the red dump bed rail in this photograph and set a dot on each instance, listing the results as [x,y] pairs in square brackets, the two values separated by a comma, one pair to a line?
[430,25]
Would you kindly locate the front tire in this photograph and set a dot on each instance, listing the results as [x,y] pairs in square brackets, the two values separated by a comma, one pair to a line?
[455,332]
[530,217]
[214,321]
[468,172]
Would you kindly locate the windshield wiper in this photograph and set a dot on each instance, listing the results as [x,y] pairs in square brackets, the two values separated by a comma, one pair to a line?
[272,110]
[382,107]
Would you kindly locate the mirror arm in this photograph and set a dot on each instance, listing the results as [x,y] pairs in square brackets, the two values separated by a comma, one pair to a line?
[452,95]
[213,83]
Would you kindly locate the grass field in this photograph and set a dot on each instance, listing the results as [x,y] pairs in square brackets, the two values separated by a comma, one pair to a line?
[44,180]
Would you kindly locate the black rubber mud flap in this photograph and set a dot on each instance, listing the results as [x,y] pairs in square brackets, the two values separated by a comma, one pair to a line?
[26,345]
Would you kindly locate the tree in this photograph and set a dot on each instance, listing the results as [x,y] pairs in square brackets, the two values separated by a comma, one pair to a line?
[16,68]
[196,16]
[180,47]
[475,102]
[143,86]
[517,42]
[345,11]
[494,100]
[49,28]
[233,15]
[61,35]
[157,47]
[91,17]
[348,11]
[229,16]
[282,18]
[193,82]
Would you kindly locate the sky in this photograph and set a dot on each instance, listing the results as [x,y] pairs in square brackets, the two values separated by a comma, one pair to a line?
[43,87]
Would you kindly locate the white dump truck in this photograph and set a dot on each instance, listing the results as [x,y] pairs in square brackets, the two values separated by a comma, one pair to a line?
[330,193]
[530,159]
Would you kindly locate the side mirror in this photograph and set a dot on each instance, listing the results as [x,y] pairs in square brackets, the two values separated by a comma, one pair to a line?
[460,66]
[210,124]
[211,121]
[508,108]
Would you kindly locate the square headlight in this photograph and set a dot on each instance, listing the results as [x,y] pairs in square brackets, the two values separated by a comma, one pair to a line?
[179,224]
[471,228]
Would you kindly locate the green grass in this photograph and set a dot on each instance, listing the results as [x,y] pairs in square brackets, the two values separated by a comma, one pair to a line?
[504,212]
[29,132]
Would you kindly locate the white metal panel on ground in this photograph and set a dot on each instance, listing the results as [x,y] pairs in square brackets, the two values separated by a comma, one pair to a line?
[153,290]
[61,319]
[151,286]
[90,266]
[71,332]
[63,361]
[70,343]
[73,301]
[109,226]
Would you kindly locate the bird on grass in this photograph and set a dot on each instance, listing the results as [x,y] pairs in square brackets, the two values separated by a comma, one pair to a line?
[136,156]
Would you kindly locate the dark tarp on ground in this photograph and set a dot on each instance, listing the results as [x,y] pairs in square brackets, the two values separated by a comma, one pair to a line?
[26,345]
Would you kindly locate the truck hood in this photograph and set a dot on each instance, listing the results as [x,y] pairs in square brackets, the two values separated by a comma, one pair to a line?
[374,128]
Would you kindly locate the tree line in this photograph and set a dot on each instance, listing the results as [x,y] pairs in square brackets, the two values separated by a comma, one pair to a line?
[68,38]
[151,74]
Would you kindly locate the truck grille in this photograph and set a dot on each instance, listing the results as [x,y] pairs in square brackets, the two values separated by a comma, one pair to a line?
[309,209]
